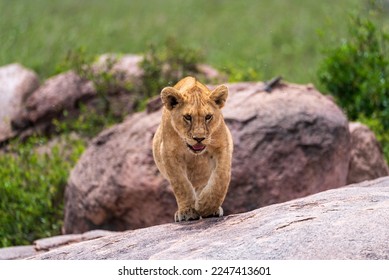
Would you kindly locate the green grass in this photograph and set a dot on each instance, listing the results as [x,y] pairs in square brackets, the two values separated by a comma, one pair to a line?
[268,37]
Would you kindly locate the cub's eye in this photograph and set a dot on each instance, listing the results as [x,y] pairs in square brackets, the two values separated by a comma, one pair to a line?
[188,118]
[208,117]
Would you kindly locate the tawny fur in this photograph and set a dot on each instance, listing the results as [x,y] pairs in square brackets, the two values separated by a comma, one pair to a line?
[199,170]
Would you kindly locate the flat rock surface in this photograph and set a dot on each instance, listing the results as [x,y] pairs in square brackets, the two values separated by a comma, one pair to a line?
[346,223]
[46,244]
[17,252]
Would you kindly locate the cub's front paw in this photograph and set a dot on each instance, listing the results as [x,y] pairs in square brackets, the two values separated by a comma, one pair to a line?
[208,213]
[186,215]
[218,213]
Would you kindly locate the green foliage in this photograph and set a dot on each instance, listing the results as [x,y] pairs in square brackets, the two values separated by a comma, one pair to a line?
[78,60]
[167,64]
[87,124]
[31,190]
[241,74]
[357,72]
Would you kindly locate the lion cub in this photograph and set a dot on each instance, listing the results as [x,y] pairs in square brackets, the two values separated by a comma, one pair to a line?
[192,148]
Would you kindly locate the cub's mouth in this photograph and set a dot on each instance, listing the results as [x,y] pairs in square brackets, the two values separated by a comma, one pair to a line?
[197,148]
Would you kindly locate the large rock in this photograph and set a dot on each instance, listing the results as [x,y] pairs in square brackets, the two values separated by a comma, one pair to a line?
[16,84]
[125,68]
[57,94]
[367,161]
[115,184]
[344,223]
[287,144]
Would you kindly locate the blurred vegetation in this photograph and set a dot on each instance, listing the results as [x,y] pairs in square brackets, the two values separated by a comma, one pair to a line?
[356,72]
[166,64]
[33,176]
[248,40]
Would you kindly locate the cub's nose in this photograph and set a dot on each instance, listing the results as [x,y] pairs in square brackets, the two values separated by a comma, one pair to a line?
[198,139]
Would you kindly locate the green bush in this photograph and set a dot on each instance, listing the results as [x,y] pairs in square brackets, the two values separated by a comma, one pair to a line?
[238,73]
[32,186]
[87,124]
[357,73]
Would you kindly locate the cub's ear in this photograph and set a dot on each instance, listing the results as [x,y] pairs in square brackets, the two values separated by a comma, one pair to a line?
[219,95]
[170,97]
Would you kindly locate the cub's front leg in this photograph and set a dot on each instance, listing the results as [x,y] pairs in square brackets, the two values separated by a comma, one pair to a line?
[186,199]
[185,195]
[210,199]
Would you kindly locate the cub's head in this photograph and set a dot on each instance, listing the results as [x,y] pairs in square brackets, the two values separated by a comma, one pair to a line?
[195,112]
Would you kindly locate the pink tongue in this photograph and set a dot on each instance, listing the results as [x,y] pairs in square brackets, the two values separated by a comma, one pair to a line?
[198,147]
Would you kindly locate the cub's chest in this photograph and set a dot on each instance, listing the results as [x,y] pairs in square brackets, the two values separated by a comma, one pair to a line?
[199,166]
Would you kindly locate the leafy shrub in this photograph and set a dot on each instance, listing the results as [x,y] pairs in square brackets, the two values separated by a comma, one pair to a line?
[357,71]
[87,124]
[357,74]
[31,189]
[237,73]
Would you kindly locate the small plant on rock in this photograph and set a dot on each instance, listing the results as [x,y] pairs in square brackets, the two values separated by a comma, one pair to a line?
[108,82]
